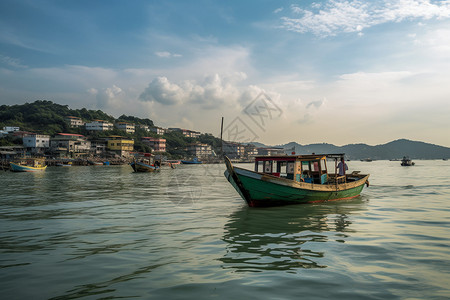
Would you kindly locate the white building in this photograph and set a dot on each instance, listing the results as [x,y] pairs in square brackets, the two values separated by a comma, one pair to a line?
[144,127]
[11,129]
[36,143]
[186,132]
[69,144]
[74,121]
[158,130]
[127,127]
[99,125]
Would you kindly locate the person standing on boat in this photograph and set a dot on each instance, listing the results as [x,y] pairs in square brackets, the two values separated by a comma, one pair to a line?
[342,166]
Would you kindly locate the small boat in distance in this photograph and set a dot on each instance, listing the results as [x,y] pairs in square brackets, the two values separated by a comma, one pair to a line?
[293,179]
[406,162]
[64,164]
[145,164]
[28,165]
[195,161]
[367,159]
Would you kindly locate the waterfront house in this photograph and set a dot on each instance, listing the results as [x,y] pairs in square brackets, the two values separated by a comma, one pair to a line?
[98,146]
[120,145]
[157,144]
[70,145]
[8,153]
[199,150]
[99,125]
[36,143]
[250,151]
[271,151]
[74,121]
[127,127]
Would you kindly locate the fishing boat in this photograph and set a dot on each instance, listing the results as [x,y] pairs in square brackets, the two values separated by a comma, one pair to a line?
[195,161]
[64,164]
[406,162]
[293,179]
[28,165]
[145,165]
[94,163]
[367,160]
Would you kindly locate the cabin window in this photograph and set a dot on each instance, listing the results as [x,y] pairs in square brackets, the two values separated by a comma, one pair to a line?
[316,166]
[282,168]
[323,163]
[290,167]
[268,166]
[259,165]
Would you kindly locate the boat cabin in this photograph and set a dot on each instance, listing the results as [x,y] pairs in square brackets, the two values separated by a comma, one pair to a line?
[300,168]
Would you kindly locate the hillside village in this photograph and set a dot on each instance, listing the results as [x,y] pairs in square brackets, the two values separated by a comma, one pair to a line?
[121,146]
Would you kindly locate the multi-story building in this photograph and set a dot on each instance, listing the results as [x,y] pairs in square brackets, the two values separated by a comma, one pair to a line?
[233,150]
[70,145]
[143,127]
[158,145]
[158,130]
[271,151]
[36,143]
[74,121]
[11,129]
[120,145]
[127,127]
[250,151]
[98,146]
[199,150]
[186,132]
[99,125]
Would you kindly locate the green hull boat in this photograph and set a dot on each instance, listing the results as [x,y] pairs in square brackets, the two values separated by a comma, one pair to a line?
[304,180]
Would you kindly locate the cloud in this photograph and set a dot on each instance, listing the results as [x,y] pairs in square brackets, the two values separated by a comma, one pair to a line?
[213,91]
[167,54]
[315,104]
[336,17]
[278,10]
[12,62]
[107,97]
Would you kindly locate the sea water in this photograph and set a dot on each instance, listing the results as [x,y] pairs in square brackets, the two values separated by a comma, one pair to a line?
[104,232]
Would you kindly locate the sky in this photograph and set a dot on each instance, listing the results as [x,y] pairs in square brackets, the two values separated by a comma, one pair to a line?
[338,72]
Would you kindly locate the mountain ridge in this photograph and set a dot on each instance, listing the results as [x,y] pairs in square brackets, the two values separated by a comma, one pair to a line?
[392,150]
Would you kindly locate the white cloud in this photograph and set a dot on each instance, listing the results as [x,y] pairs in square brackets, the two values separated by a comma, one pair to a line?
[353,16]
[167,54]
[278,10]
[12,62]
[108,97]
[213,91]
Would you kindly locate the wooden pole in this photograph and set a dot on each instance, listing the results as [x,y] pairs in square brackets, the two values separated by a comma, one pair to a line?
[221,140]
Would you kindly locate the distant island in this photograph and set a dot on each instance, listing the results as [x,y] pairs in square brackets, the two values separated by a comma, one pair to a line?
[47,118]
[392,150]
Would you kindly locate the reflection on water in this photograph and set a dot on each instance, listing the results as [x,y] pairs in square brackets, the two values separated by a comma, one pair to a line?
[285,238]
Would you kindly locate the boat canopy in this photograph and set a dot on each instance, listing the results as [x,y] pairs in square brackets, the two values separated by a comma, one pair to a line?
[302,168]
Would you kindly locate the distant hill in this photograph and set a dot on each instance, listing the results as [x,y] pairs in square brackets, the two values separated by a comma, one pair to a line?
[43,116]
[391,150]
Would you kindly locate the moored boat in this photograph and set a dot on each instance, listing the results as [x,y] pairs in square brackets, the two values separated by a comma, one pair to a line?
[195,161]
[28,165]
[406,162]
[145,164]
[296,179]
